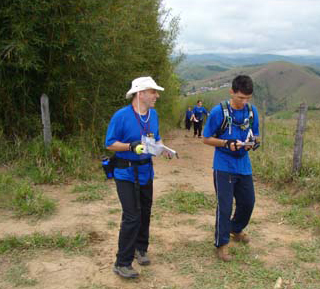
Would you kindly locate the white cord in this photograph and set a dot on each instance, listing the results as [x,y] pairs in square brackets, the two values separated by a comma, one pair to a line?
[145,121]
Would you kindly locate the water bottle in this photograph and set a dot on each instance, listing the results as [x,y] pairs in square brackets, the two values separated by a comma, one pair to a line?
[108,169]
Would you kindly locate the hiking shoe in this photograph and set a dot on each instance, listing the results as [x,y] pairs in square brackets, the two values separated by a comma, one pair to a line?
[125,271]
[223,253]
[240,237]
[142,258]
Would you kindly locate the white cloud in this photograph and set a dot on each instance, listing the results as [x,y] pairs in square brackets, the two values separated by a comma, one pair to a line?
[251,26]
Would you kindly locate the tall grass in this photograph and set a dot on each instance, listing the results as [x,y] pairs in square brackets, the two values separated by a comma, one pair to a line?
[9,149]
[56,163]
[22,198]
[274,163]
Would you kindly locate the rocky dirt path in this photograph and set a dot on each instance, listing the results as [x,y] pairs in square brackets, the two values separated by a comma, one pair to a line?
[271,237]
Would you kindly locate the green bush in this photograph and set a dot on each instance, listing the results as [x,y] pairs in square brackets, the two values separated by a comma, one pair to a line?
[83,54]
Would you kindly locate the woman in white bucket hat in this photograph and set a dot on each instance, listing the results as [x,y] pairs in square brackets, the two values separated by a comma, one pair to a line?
[133,171]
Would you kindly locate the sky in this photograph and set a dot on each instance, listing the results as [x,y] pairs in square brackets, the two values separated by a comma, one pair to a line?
[283,27]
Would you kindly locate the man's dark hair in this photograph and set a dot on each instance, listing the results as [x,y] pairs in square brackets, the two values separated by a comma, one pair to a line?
[242,83]
[199,101]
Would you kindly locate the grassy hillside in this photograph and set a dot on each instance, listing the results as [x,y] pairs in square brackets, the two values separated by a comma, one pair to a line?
[218,79]
[289,83]
[239,59]
[284,85]
[196,72]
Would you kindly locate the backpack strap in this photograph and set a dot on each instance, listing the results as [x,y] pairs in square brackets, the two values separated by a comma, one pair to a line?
[226,115]
[250,114]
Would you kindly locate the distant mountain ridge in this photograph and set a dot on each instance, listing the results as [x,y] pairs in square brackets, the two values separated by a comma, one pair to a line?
[238,59]
[283,84]
[199,66]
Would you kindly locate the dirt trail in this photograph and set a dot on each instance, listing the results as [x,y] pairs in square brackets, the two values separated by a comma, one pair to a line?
[55,269]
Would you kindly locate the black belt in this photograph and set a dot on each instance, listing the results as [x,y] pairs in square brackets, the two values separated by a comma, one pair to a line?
[123,163]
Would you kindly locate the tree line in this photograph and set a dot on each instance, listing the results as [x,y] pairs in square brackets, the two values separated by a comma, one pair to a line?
[83,54]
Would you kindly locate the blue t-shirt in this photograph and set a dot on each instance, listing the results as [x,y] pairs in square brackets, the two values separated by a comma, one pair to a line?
[199,112]
[188,114]
[236,162]
[126,126]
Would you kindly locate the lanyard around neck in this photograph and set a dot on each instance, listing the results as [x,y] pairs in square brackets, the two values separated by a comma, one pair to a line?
[145,126]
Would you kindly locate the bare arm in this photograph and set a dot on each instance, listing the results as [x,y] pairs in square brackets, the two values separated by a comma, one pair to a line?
[217,142]
[119,147]
[213,141]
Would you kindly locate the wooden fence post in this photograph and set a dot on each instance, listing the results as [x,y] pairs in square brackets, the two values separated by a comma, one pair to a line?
[298,145]
[45,114]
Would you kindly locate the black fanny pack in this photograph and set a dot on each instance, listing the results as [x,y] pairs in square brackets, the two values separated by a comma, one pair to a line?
[110,163]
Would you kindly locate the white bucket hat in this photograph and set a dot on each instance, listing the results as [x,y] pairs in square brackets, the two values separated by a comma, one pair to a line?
[142,83]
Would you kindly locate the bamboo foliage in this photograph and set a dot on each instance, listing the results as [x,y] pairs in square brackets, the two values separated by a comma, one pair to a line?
[83,54]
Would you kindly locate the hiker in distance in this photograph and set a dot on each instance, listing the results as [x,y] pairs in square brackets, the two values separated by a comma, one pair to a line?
[232,128]
[133,171]
[188,118]
[198,113]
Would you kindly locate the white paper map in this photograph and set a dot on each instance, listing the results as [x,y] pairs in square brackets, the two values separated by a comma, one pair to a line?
[151,147]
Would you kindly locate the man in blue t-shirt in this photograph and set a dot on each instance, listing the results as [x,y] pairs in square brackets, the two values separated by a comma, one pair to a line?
[232,170]
[133,171]
[198,113]
[188,118]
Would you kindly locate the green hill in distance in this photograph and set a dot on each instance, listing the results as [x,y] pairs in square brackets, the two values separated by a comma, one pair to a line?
[289,84]
[196,72]
[237,59]
[283,85]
